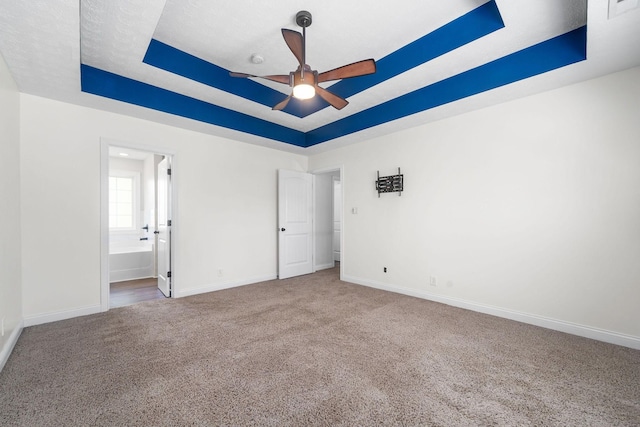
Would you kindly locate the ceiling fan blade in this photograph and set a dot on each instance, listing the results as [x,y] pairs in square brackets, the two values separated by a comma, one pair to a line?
[334,100]
[282,104]
[280,78]
[234,74]
[295,42]
[360,68]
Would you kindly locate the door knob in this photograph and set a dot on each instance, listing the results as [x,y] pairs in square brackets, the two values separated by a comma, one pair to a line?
[282,229]
[156,232]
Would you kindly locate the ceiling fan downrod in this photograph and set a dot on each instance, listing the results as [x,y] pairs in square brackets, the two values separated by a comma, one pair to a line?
[303,19]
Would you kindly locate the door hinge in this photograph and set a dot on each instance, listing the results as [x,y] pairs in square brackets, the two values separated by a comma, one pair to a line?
[168,274]
[168,171]
[169,223]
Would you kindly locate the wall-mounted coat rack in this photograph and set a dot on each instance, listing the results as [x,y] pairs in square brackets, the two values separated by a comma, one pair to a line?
[390,184]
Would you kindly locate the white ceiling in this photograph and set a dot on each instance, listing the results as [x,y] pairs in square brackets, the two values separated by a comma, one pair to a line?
[45,41]
[128,153]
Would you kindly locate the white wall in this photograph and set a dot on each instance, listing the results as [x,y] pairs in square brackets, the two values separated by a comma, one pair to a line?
[150,204]
[323,221]
[528,209]
[10,247]
[226,195]
[124,164]
[148,185]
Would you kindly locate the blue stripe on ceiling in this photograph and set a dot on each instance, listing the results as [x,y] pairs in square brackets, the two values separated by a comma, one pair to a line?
[161,55]
[478,23]
[543,57]
[472,26]
[104,83]
[546,56]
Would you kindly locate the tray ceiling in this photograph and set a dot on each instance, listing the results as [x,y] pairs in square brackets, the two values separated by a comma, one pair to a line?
[168,61]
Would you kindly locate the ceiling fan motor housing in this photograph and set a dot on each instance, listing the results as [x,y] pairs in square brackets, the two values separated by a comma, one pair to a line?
[310,77]
[303,18]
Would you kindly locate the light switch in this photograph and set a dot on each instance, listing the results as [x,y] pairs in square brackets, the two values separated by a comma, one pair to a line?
[354,211]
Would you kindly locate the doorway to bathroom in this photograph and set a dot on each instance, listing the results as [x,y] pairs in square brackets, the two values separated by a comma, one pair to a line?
[136,225]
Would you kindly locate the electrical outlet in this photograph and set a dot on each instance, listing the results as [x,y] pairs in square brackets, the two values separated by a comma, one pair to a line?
[385,269]
[433,281]
[220,273]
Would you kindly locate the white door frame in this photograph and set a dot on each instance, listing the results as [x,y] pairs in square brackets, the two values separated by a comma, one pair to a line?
[105,143]
[342,225]
[162,230]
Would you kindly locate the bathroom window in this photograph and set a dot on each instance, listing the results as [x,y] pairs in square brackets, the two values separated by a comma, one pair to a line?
[123,193]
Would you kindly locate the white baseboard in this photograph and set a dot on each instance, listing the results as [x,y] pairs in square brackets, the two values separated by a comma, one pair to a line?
[10,344]
[225,285]
[40,319]
[532,319]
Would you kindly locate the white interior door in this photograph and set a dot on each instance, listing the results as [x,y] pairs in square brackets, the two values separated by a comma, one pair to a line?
[164,228]
[295,219]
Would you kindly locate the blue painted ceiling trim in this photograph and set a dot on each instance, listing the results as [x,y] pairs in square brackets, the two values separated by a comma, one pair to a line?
[554,53]
[104,83]
[473,25]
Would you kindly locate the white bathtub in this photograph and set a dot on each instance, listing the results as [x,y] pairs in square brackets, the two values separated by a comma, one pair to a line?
[130,260]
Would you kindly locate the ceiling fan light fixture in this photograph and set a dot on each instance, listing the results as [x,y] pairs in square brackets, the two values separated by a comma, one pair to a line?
[304,91]
[304,80]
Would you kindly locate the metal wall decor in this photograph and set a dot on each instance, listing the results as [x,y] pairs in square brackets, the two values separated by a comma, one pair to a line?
[390,184]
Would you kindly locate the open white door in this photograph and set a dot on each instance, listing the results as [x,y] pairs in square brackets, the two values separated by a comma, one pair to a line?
[164,227]
[295,218]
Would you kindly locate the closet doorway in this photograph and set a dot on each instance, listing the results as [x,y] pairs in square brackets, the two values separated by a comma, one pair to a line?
[309,221]
[328,218]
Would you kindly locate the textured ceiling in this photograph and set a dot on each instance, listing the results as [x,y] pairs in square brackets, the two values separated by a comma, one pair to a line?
[168,61]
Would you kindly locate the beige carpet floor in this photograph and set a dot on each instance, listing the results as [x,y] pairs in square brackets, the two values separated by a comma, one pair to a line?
[312,351]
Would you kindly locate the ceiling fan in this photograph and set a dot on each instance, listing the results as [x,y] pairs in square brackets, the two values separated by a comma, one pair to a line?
[304,80]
